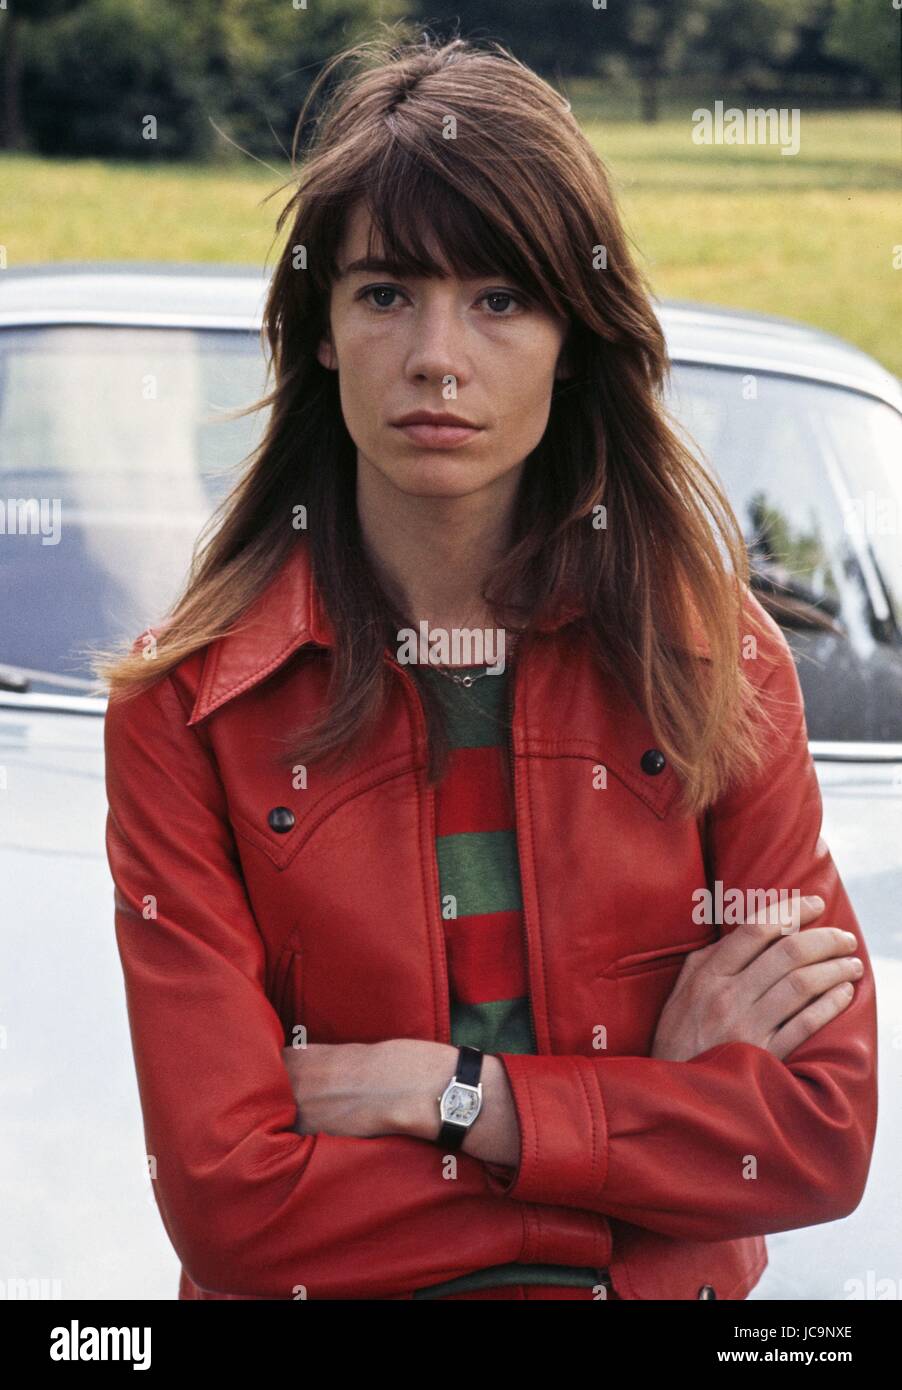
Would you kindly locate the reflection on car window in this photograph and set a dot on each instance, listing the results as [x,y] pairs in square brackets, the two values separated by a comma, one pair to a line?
[113,454]
[813,474]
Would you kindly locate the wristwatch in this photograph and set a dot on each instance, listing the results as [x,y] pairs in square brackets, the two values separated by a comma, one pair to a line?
[461,1101]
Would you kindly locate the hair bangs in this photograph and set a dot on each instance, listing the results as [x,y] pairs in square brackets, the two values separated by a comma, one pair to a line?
[423,226]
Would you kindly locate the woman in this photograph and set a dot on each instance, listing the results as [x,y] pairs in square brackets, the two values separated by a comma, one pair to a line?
[356,882]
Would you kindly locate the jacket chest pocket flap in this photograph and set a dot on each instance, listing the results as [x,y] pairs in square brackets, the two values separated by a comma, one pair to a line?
[633,990]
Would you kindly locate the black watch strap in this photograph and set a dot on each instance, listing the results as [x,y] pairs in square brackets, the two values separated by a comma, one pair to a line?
[468,1071]
[469,1065]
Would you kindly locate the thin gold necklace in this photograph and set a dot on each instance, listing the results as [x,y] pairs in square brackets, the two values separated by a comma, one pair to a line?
[468,680]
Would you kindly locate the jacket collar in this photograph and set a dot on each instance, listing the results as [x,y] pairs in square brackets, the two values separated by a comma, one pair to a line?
[287,615]
[283,618]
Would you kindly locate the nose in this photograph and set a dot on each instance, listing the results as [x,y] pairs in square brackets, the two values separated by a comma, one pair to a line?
[438,347]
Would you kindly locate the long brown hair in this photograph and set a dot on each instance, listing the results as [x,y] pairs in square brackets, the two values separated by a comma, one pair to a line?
[520,191]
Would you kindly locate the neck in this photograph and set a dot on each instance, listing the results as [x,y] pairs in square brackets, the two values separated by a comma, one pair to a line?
[433,554]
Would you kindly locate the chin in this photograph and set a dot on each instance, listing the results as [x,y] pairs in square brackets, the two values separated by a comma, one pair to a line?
[435,473]
[433,484]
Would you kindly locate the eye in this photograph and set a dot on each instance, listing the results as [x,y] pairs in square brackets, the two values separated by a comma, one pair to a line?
[379,290]
[507,297]
[501,301]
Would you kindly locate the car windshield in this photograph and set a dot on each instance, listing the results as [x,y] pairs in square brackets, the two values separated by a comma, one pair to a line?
[113,453]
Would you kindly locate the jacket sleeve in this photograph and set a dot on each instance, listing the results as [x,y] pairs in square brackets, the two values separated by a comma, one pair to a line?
[252,1207]
[734,1142]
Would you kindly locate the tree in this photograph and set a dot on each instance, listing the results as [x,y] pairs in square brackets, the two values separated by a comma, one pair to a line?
[94,72]
[867,31]
[557,37]
[11,131]
[736,41]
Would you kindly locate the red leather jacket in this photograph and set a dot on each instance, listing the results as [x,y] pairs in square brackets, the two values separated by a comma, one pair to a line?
[666,1173]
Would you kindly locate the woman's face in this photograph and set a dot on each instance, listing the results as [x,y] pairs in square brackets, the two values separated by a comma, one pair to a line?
[475,349]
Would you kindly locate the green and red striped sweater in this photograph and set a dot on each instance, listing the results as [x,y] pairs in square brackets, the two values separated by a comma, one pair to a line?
[482,910]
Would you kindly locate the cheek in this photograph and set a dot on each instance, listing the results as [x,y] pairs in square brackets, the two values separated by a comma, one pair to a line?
[362,383]
[525,385]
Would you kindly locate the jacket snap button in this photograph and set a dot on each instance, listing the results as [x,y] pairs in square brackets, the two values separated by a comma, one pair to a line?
[653,761]
[707,1291]
[281,819]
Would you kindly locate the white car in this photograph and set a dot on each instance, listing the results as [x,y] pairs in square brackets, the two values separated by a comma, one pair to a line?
[113,382]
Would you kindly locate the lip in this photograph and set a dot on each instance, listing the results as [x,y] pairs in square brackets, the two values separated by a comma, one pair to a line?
[434,417]
[433,430]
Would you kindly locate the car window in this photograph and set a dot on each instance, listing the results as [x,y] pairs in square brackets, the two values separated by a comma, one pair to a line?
[113,453]
[814,474]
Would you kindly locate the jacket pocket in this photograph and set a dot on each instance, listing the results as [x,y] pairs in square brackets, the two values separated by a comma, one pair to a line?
[661,958]
[633,990]
[286,993]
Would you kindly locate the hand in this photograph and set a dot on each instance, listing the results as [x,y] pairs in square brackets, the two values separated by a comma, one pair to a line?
[760,984]
[367,1089]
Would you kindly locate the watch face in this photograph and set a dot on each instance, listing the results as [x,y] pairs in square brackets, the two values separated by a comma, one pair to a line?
[460,1103]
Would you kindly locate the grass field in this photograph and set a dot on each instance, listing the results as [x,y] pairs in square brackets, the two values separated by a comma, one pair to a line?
[810,236]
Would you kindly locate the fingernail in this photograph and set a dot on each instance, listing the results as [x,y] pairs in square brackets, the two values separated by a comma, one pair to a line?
[814,901]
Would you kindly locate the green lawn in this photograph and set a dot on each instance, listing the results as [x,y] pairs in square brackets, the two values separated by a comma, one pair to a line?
[810,236]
